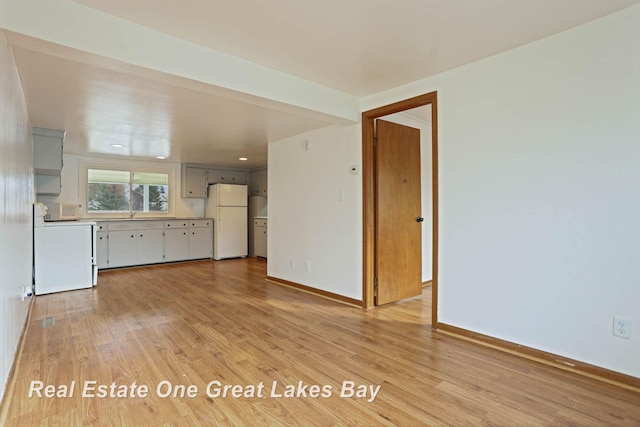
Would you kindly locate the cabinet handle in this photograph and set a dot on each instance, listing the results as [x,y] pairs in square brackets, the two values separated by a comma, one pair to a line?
[132,236]
[184,234]
[141,235]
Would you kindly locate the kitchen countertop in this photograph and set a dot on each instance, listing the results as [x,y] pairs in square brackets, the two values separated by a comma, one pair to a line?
[144,219]
[67,223]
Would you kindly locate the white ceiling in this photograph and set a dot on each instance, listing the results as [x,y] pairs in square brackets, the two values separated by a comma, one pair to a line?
[354,47]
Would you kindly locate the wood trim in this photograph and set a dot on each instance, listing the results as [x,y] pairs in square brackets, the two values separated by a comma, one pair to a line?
[368,194]
[612,377]
[434,211]
[368,209]
[427,283]
[11,379]
[318,292]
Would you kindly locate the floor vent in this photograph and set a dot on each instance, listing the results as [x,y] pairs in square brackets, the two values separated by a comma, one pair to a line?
[48,322]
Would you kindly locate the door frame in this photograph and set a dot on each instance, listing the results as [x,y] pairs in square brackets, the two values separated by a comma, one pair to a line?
[369,201]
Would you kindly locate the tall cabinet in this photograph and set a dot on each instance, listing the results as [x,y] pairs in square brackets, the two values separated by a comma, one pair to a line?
[258,183]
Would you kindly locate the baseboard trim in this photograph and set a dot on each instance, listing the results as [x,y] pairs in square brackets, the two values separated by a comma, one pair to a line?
[11,380]
[612,377]
[427,283]
[318,292]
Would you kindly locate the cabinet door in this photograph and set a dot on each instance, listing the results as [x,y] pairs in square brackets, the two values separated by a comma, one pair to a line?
[102,249]
[254,183]
[260,241]
[47,151]
[200,242]
[176,244]
[216,176]
[236,177]
[122,248]
[47,185]
[196,182]
[258,182]
[263,183]
[150,246]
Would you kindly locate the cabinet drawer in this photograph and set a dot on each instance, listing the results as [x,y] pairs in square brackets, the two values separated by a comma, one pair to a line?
[176,224]
[200,223]
[102,226]
[135,225]
[260,222]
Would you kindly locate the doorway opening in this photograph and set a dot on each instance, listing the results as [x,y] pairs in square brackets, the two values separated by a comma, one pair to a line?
[369,173]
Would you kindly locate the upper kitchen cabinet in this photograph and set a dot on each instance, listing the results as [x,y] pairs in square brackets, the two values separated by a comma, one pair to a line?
[47,151]
[48,185]
[215,176]
[225,176]
[258,183]
[237,177]
[47,160]
[196,178]
[194,182]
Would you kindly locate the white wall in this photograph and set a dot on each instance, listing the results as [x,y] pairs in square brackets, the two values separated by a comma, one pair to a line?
[16,198]
[540,192]
[426,181]
[71,184]
[307,220]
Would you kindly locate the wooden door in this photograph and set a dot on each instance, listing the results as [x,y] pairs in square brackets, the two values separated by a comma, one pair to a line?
[398,213]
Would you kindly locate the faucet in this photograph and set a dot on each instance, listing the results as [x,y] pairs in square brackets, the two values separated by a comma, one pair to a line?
[132,214]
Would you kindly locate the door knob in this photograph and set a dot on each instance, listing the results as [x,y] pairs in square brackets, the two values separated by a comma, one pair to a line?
[420,219]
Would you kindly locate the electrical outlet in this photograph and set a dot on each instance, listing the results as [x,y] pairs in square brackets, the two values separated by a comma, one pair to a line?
[307,266]
[27,292]
[622,327]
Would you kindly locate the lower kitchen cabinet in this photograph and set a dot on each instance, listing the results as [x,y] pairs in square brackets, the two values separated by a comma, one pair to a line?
[139,242]
[176,240]
[135,243]
[260,237]
[200,238]
[176,244]
[123,248]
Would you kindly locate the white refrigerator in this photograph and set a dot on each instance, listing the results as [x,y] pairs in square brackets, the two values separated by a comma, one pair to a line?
[227,205]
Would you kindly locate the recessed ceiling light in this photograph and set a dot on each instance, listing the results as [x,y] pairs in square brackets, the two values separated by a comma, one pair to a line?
[244,159]
[160,157]
[117,145]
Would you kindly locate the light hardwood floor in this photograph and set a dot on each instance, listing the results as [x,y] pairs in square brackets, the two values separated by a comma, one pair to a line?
[193,323]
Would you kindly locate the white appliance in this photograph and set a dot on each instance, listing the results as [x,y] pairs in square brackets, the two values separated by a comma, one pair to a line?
[227,205]
[61,212]
[64,254]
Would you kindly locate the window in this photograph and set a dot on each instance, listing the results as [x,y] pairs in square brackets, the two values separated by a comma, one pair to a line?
[126,191]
